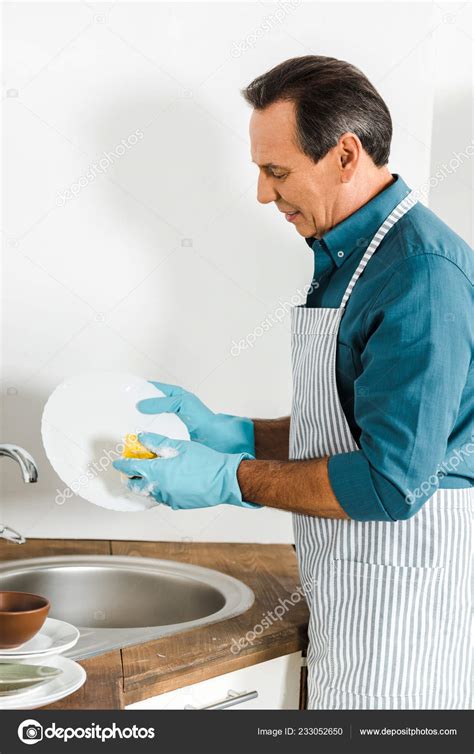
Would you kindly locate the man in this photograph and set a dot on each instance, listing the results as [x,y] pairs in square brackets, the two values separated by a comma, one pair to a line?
[376,460]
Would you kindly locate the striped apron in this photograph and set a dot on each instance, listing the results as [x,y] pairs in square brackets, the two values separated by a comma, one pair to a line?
[390,602]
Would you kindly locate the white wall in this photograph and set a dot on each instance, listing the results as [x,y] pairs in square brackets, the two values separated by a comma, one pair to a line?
[451,195]
[162,261]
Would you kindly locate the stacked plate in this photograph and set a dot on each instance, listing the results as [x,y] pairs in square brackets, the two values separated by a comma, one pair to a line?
[35,673]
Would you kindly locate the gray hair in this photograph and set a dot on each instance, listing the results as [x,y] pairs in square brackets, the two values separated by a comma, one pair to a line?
[331,97]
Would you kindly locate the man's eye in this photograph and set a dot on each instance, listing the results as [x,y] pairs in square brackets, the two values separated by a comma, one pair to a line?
[283,175]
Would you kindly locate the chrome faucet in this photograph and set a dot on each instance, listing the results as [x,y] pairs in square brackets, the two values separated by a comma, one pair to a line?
[29,472]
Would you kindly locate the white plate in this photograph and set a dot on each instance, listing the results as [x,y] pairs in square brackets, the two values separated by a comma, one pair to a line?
[84,423]
[53,637]
[71,679]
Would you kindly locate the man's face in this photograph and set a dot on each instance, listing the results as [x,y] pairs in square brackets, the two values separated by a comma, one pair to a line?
[290,178]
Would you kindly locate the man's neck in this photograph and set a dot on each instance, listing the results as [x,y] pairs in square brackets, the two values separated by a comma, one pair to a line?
[377,183]
[385,179]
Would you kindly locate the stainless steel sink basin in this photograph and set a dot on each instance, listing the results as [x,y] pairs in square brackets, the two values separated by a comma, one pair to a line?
[116,601]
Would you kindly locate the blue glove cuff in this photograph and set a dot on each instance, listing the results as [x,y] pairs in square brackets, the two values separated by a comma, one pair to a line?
[248,431]
[235,494]
[240,434]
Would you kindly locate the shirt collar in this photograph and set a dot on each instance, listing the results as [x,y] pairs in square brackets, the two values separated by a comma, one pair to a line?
[357,230]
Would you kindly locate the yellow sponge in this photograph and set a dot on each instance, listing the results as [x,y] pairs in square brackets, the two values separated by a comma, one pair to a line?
[134,449]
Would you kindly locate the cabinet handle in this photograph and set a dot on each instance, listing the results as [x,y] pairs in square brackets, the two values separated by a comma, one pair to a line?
[232,698]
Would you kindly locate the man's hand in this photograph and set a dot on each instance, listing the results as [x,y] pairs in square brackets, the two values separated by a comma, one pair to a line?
[193,477]
[223,432]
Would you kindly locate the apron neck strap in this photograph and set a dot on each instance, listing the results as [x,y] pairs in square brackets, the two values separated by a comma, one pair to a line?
[401,208]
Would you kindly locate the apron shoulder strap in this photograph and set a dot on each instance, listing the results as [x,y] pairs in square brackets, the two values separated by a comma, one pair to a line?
[401,208]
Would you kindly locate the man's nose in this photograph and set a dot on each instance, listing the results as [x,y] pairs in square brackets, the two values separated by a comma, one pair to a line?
[265,190]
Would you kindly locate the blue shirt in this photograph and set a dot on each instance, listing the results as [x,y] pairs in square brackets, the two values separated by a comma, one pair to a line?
[404,366]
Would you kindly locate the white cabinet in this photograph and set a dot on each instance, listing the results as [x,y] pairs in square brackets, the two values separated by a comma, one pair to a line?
[276,683]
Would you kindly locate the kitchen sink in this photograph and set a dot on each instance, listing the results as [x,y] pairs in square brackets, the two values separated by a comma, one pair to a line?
[117,601]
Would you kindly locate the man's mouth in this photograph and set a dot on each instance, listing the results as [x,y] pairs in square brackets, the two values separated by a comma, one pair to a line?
[292,216]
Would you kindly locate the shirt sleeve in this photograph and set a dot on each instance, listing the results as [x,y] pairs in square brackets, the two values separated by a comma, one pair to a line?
[420,337]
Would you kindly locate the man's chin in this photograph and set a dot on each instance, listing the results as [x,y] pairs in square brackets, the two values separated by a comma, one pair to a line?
[304,229]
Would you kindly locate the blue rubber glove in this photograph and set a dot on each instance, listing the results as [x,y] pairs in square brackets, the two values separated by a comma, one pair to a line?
[222,432]
[195,477]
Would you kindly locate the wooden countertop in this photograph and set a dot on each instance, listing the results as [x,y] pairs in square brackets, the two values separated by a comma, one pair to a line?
[124,676]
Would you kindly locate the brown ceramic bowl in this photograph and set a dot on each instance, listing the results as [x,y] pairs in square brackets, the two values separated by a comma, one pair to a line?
[21,616]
